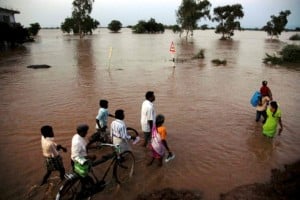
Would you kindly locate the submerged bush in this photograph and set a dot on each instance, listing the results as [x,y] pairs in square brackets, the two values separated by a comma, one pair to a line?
[219,62]
[272,59]
[289,54]
[199,55]
[295,37]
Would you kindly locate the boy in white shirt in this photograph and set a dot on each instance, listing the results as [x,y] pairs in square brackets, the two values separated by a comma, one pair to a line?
[118,131]
[53,160]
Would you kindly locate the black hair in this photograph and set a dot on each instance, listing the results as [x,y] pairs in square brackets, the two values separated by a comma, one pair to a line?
[119,114]
[82,128]
[47,131]
[160,119]
[103,103]
[275,106]
[264,83]
[149,94]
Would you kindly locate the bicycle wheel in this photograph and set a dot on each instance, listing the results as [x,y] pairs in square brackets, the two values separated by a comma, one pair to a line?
[76,189]
[132,131]
[124,167]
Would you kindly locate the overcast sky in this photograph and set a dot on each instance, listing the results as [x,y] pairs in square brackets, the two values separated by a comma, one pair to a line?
[51,13]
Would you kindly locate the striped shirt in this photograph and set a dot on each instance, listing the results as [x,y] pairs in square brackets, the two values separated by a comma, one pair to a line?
[118,129]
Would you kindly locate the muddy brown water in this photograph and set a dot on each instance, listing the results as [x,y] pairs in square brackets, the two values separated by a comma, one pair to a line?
[210,122]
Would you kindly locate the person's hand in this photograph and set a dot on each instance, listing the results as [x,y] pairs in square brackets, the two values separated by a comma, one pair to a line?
[64,149]
[59,147]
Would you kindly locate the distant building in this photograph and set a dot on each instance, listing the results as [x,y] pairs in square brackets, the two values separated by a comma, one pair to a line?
[7,15]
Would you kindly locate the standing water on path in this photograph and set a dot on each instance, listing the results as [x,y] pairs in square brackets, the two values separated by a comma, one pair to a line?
[210,122]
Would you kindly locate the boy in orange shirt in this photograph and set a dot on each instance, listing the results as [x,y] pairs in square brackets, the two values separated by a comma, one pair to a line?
[159,142]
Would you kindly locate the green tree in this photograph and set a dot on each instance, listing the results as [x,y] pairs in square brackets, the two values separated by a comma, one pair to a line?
[277,24]
[115,26]
[148,27]
[80,23]
[13,35]
[68,25]
[89,24]
[226,16]
[190,11]
[34,29]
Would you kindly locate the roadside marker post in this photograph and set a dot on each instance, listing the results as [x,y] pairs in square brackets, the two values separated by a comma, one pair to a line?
[173,51]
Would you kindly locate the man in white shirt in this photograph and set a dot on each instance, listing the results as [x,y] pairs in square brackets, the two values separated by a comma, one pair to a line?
[79,145]
[148,116]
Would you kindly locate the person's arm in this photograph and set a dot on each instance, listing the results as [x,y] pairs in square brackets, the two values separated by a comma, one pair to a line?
[270,94]
[150,122]
[98,123]
[281,127]
[59,147]
[167,147]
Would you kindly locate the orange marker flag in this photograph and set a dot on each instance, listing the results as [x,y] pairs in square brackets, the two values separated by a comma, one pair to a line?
[172,48]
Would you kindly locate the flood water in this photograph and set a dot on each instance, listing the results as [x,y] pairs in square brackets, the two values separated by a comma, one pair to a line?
[210,122]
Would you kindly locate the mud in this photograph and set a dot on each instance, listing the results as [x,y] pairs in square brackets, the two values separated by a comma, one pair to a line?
[284,185]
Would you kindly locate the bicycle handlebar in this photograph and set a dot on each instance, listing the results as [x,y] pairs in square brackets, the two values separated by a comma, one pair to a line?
[115,146]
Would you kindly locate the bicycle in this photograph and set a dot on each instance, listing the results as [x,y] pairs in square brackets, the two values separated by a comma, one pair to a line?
[77,187]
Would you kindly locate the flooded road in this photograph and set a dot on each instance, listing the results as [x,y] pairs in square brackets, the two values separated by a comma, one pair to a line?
[210,122]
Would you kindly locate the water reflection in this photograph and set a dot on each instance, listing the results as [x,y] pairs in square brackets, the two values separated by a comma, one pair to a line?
[227,49]
[261,146]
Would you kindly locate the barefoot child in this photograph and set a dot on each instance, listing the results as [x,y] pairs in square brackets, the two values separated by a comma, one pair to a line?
[53,160]
[159,142]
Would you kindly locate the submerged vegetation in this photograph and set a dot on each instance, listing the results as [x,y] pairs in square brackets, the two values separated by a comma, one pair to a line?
[295,37]
[81,22]
[114,26]
[148,27]
[289,54]
[219,62]
[228,16]
[199,55]
[277,24]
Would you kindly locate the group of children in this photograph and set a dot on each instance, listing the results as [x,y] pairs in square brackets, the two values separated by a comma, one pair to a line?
[270,111]
[79,145]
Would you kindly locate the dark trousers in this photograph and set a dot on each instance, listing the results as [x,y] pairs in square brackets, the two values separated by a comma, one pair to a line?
[259,114]
[48,173]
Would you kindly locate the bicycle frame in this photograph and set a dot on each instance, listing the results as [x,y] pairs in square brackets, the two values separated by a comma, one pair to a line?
[113,157]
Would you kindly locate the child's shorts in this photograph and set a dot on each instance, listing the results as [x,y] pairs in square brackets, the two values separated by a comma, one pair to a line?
[53,164]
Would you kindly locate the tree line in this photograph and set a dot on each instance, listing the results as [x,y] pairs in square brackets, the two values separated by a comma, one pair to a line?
[13,34]
[189,13]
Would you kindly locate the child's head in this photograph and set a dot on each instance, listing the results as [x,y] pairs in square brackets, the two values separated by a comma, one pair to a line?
[264,83]
[47,131]
[82,129]
[103,103]
[160,119]
[119,114]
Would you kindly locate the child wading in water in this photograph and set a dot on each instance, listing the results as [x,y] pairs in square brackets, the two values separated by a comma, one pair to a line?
[53,160]
[159,142]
